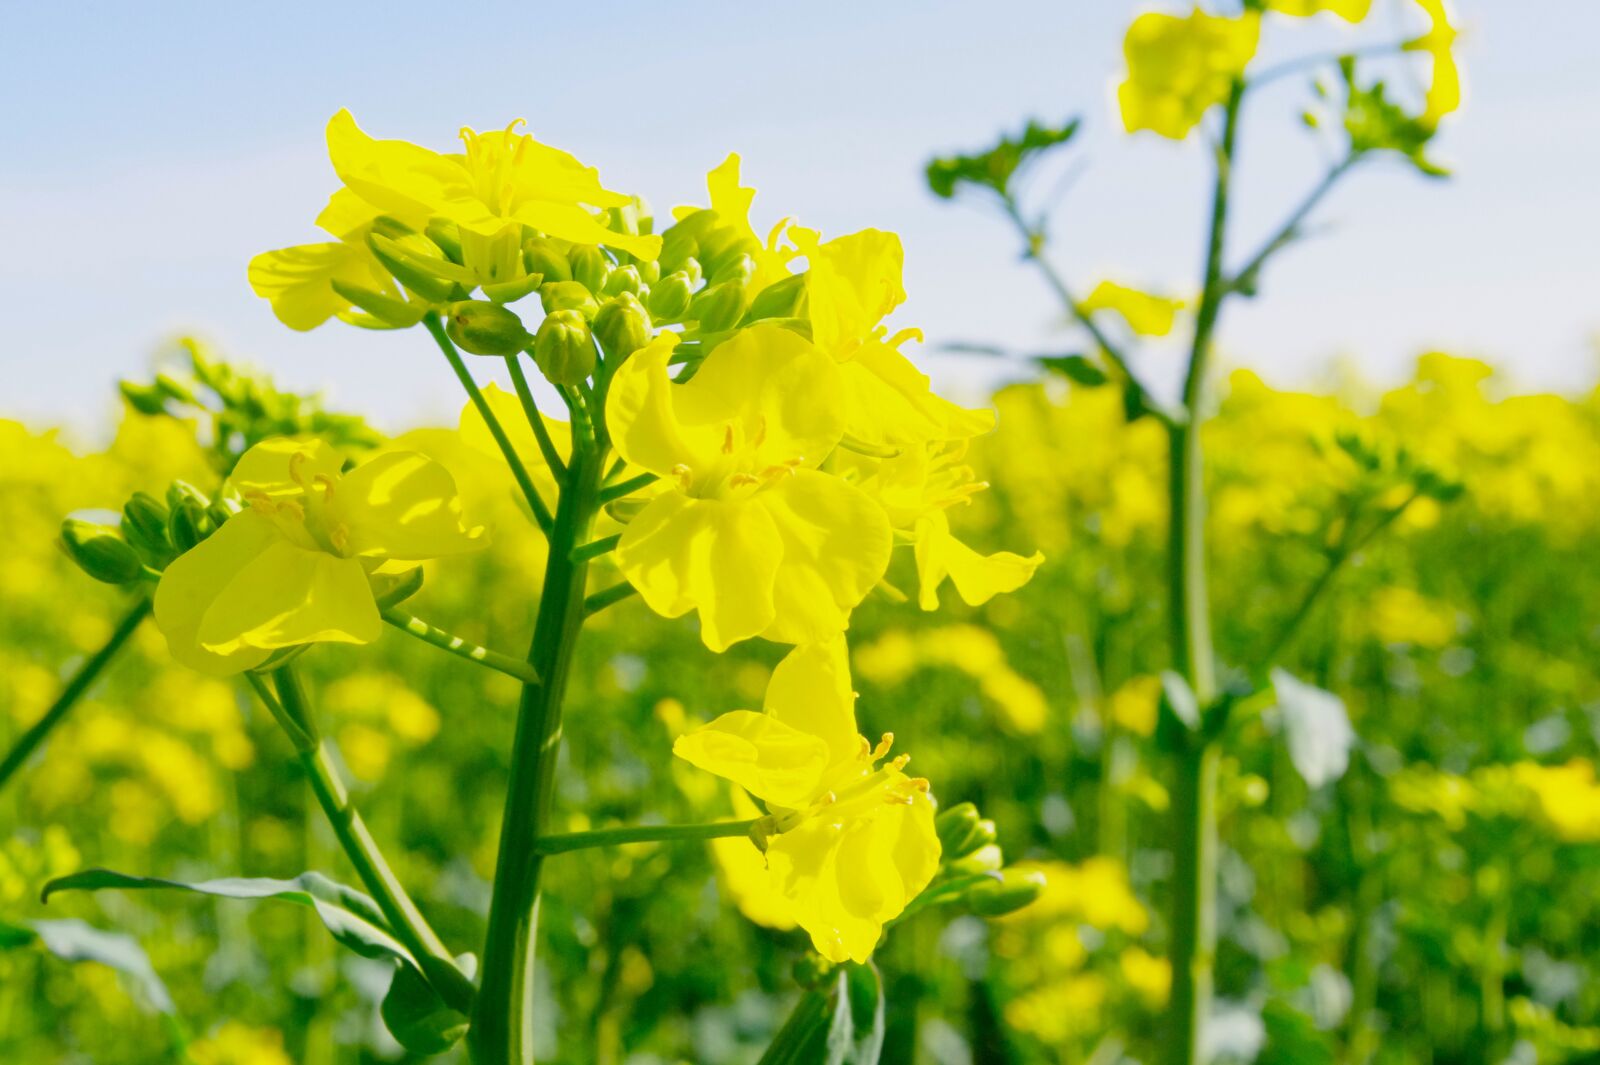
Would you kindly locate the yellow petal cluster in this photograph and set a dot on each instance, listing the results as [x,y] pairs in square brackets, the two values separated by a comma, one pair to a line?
[1179,67]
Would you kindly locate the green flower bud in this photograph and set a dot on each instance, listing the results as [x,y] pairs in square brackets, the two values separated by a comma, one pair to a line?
[622,279]
[144,526]
[446,236]
[485,328]
[420,273]
[541,256]
[189,523]
[1006,892]
[174,388]
[719,307]
[649,272]
[589,266]
[100,552]
[986,859]
[511,291]
[723,252]
[622,327]
[146,399]
[669,297]
[564,348]
[954,826]
[780,300]
[568,296]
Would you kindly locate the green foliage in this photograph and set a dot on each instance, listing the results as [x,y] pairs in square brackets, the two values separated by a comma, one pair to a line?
[998,168]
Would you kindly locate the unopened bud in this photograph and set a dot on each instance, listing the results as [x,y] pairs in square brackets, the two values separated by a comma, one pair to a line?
[623,279]
[622,327]
[986,859]
[670,297]
[722,251]
[100,551]
[446,236]
[1006,892]
[719,307]
[541,256]
[144,526]
[485,328]
[568,296]
[589,266]
[649,271]
[954,826]
[780,300]
[564,348]
[189,523]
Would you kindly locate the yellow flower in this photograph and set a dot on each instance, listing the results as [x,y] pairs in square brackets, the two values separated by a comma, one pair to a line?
[1444,88]
[1134,705]
[292,567]
[853,283]
[1146,314]
[748,533]
[855,841]
[1349,10]
[1179,68]
[731,202]
[299,281]
[744,872]
[1400,615]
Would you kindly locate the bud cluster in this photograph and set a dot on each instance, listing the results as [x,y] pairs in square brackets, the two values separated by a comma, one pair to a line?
[150,534]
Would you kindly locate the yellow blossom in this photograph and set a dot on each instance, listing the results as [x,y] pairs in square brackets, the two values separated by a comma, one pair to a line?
[1349,10]
[1146,314]
[1444,86]
[1181,67]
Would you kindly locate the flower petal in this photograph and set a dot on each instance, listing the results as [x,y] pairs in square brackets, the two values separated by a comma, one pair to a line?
[890,403]
[402,505]
[771,760]
[197,578]
[978,578]
[285,467]
[810,690]
[288,595]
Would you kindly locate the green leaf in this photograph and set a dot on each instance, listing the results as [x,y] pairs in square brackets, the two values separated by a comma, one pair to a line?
[839,1024]
[1079,369]
[997,167]
[352,918]
[1375,123]
[417,1017]
[74,940]
[1317,728]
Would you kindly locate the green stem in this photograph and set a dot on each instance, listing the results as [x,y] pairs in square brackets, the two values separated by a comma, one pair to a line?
[595,548]
[446,641]
[610,837]
[541,513]
[530,410]
[79,683]
[628,487]
[607,597]
[1246,276]
[502,1019]
[1194,802]
[405,919]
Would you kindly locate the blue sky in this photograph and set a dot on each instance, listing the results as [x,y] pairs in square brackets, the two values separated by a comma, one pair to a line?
[150,150]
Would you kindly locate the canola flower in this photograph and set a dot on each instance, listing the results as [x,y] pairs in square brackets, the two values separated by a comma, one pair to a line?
[294,566]
[853,841]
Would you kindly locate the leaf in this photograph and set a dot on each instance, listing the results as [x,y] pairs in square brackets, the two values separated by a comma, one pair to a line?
[417,1017]
[840,1024]
[1292,1038]
[1079,369]
[1317,728]
[1375,123]
[995,168]
[352,918]
[74,940]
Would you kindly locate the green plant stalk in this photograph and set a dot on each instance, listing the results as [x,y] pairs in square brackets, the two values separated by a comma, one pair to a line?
[502,1018]
[74,689]
[530,410]
[447,641]
[1194,802]
[610,837]
[405,919]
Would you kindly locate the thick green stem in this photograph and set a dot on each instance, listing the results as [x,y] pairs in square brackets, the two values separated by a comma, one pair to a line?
[447,641]
[79,683]
[611,837]
[405,919]
[502,1020]
[1194,801]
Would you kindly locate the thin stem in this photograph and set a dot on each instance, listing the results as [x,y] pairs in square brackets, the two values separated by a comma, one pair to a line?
[530,409]
[74,689]
[541,513]
[595,548]
[611,837]
[1245,276]
[502,1017]
[616,491]
[1194,808]
[447,641]
[1320,59]
[607,597]
[405,919]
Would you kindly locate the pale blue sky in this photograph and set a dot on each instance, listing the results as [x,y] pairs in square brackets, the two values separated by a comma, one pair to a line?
[150,150]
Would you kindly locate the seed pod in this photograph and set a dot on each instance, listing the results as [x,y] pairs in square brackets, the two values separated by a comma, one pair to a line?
[100,552]
[564,348]
[622,327]
[485,328]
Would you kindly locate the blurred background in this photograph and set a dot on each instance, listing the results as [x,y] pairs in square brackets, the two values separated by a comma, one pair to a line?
[1434,904]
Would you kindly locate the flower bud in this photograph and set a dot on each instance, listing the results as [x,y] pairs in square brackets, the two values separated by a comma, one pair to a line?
[649,272]
[564,348]
[541,256]
[485,328]
[986,859]
[100,552]
[189,523]
[780,300]
[670,297]
[719,307]
[446,236]
[1006,892]
[144,526]
[954,826]
[622,327]
[567,296]
[589,266]
[410,267]
[622,279]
